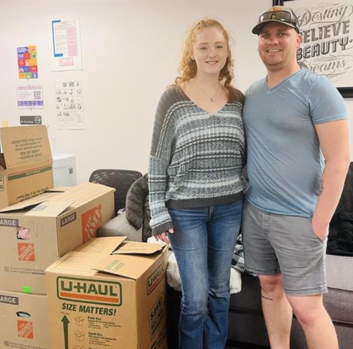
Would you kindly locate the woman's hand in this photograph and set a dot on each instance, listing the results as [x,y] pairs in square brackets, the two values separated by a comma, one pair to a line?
[163,236]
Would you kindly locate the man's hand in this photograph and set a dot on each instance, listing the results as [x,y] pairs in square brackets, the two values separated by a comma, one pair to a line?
[320,231]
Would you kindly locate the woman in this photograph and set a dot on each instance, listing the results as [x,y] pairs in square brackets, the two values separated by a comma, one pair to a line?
[195,183]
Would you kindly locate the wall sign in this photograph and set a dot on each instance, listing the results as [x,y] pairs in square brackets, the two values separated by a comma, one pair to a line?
[30,120]
[327,44]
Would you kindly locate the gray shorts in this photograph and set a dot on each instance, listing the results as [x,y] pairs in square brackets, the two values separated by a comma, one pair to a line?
[287,245]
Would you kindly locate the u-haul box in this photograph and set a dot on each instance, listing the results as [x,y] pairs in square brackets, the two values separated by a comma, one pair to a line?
[109,294]
[25,163]
[23,321]
[36,232]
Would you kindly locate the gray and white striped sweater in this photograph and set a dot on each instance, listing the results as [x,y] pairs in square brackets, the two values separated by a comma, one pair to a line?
[196,158]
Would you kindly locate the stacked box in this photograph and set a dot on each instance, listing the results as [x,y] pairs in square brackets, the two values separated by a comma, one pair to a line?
[25,163]
[23,321]
[108,294]
[36,232]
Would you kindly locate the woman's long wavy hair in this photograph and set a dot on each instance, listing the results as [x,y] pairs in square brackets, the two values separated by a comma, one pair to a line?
[188,68]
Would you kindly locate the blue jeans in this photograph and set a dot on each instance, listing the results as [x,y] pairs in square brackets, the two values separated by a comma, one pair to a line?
[203,243]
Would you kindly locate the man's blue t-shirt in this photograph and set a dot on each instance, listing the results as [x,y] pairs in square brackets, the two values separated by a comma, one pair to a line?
[285,162]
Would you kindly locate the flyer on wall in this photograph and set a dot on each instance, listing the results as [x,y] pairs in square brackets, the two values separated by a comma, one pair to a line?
[66,43]
[327,39]
[27,62]
[30,96]
[69,105]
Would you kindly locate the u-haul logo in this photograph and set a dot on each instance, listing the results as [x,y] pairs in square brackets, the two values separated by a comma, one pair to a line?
[89,291]
[157,276]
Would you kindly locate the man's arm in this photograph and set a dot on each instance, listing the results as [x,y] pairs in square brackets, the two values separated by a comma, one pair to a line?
[334,143]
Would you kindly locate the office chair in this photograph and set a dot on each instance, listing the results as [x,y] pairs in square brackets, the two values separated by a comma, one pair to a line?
[121,180]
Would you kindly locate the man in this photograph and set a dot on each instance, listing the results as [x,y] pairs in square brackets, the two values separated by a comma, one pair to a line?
[298,157]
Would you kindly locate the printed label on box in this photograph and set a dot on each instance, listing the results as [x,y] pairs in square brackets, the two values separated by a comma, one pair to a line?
[157,276]
[26,252]
[8,299]
[159,341]
[2,183]
[9,222]
[68,219]
[156,314]
[91,221]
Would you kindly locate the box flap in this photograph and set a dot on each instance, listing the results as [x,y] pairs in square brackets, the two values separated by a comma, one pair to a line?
[24,145]
[131,267]
[76,196]
[75,262]
[29,203]
[83,193]
[49,208]
[143,248]
[103,245]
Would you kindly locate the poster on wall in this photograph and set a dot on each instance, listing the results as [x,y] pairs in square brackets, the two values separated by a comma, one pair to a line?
[66,43]
[69,105]
[327,39]
[30,96]
[27,62]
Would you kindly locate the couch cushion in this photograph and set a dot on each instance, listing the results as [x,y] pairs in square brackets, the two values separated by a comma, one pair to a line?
[339,300]
[120,226]
[339,271]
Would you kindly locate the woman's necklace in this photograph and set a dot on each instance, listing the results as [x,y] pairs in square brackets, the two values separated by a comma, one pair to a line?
[203,91]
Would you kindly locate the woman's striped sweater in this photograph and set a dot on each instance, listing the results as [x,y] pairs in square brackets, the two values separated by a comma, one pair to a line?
[196,157]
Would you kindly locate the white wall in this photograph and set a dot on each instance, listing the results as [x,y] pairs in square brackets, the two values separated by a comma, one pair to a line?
[130,53]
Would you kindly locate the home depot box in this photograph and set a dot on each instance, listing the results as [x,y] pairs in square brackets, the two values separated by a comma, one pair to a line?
[23,321]
[108,294]
[36,232]
[25,163]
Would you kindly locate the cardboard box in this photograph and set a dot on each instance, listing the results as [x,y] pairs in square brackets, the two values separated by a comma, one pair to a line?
[23,321]
[111,294]
[25,163]
[36,232]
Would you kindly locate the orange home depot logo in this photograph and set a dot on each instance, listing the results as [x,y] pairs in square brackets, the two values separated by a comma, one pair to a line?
[157,276]
[91,221]
[89,291]
[25,329]
[25,252]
